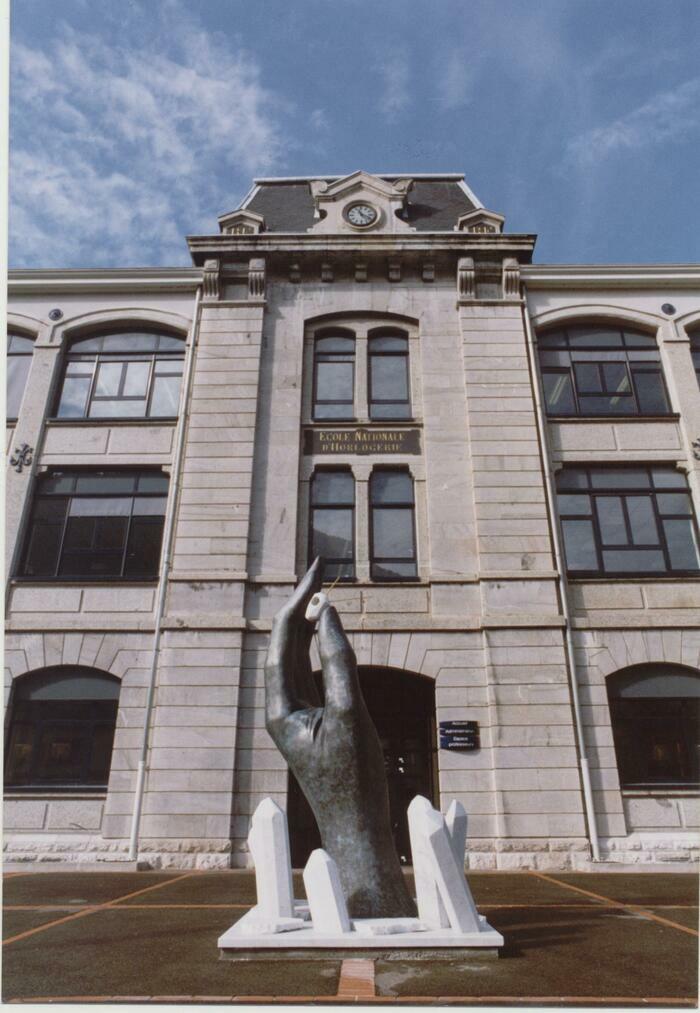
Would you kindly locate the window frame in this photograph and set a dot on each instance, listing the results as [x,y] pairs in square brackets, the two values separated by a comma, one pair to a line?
[694,337]
[374,335]
[66,497]
[632,368]
[348,335]
[102,712]
[11,335]
[352,508]
[100,357]
[621,492]
[374,560]
[633,717]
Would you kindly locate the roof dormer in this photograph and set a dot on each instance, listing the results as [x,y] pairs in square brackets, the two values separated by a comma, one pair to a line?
[359,203]
[482,221]
[241,223]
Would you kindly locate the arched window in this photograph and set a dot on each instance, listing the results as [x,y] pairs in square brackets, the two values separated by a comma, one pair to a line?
[388,381]
[61,729]
[19,358]
[334,376]
[392,525]
[127,374]
[695,353]
[655,716]
[332,522]
[601,370]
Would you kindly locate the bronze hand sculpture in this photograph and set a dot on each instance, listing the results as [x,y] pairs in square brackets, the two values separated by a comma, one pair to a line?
[334,751]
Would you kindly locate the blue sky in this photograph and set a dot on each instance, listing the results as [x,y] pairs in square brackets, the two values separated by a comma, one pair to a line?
[136,122]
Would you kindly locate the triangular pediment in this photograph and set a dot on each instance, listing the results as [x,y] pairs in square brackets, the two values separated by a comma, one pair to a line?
[481,221]
[241,223]
[332,199]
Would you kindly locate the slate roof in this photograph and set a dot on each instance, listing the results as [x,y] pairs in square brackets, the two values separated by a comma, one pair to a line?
[434,204]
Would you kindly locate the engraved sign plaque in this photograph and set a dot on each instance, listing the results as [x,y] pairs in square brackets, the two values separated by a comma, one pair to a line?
[362,441]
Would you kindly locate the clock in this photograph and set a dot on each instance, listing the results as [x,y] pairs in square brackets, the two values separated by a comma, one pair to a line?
[361,215]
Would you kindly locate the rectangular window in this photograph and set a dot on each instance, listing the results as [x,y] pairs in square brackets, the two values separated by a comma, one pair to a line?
[388,377]
[334,377]
[392,526]
[617,522]
[601,371]
[332,523]
[96,525]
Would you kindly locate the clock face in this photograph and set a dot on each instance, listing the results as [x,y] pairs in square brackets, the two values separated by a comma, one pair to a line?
[361,214]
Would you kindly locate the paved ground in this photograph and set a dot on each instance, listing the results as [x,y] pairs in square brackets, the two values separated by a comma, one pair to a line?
[579,939]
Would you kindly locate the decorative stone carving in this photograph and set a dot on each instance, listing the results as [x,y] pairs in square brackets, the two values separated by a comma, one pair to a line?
[295,273]
[511,278]
[428,272]
[466,278]
[256,278]
[210,280]
[241,223]
[480,221]
[387,197]
[326,271]
[361,271]
[696,448]
[22,457]
[394,270]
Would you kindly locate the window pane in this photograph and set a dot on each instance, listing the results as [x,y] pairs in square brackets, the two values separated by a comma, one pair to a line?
[572,478]
[642,520]
[168,343]
[43,546]
[20,752]
[391,487]
[108,378]
[117,409]
[74,397]
[335,344]
[332,533]
[579,545]
[400,410]
[389,378]
[136,382]
[555,339]
[588,379]
[611,404]
[339,570]
[574,504]
[336,487]
[392,533]
[611,520]
[105,482]
[635,340]
[80,534]
[86,345]
[668,478]
[166,396]
[110,532]
[633,561]
[594,337]
[131,341]
[559,393]
[169,366]
[18,343]
[143,550]
[682,544]
[90,564]
[100,753]
[673,503]
[58,482]
[152,482]
[624,478]
[334,381]
[103,506]
[150,506]
[650,392]
[616,378]
[388,343]
[17,373]
[383,570]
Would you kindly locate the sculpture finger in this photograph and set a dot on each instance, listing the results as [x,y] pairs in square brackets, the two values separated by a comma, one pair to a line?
[286,647]
[338,662]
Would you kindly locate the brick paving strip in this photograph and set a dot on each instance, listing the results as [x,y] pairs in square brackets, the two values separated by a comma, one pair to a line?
[634,908]
[92,909]
[356,979]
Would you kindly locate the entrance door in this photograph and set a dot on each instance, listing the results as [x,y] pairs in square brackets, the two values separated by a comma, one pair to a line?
[402,706]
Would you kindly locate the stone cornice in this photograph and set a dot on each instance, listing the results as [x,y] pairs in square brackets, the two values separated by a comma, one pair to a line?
[144,279]
[302,243]
[596,276]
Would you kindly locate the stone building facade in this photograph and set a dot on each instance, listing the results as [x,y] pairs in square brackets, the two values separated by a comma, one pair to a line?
[372,366]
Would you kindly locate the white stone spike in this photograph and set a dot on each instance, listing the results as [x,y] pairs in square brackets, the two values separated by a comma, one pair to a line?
[329,912]
[456,823]
[318,603]
[451,883]
[431,910]
[268,841]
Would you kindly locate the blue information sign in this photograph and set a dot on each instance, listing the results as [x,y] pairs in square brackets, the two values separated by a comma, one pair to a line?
[459,735]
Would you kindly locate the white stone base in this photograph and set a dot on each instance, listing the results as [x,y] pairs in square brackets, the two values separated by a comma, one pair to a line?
[239,939]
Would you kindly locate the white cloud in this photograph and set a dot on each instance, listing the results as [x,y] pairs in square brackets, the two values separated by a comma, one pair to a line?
[456,79]
[667,117]
[118,152]
[395,92]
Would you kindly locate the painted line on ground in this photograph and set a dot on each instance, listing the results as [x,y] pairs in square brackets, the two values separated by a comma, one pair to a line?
[395,1000]
[611,902]
[356,980]
[94,908]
